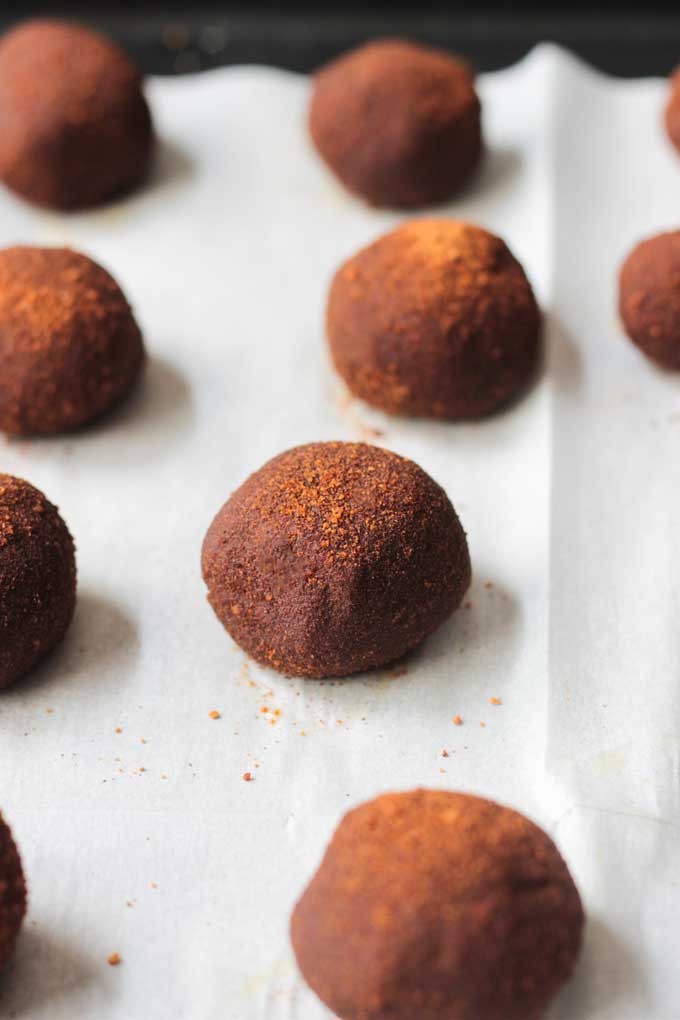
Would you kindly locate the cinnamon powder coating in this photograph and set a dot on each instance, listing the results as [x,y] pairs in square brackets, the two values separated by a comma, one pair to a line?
[69,345]
[76,129]
[335,558]
[649,298]
[434,319]
[673,110]
[37,578]
[12,893]
[397,122]
[440,906]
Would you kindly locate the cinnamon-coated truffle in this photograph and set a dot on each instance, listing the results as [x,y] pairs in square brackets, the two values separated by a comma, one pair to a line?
[649,298]
[440,906]
[673,110]
[37,578]
[76,129]
[434,319]
[397,122]
[69,345]
[12,893]
[335,558]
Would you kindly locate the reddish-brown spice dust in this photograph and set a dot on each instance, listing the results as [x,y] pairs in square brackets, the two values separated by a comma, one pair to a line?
[114,960]
[457,721]
[214,714]
[457,908]
[398,123]
[495,701]
[37,578]
[649,298]
[76,129]
[335,558]
[12,893]
[435,319]
[248,777]
[69,344]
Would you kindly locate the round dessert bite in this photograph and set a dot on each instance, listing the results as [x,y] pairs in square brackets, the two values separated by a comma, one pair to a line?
[76,129]
[12,893]
[37,578]
[673,111]
[69,345]
[435,319]
[457,908]
[397,122]
[649,298]
[335,558]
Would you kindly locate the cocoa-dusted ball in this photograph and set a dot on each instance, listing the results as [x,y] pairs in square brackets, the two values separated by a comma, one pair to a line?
[673,110]
[335,558]
[69,345]
[76,129]
[397,122]
[37,578]
[456,909]
[434,319]
[12,893]
[649,298]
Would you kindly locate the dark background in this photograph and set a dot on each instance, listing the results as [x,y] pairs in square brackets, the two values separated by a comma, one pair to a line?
[629,39]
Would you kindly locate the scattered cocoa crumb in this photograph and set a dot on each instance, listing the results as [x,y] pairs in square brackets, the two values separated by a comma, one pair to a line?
[265,708]
[445,754]
[457,721]
[482,724]
[142,740]
[277,711]
[443,771]
[118,729]
[49,711]
[214,714]
[114,959]
[495,701]
[247,776]
[488,585]
[153,885]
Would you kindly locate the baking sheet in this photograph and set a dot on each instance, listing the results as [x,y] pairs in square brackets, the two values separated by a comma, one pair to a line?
[147,842]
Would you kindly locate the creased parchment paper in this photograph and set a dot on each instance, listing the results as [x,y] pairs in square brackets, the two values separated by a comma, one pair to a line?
[147,842]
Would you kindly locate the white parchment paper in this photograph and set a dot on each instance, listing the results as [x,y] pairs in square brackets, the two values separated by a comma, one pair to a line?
[147,842]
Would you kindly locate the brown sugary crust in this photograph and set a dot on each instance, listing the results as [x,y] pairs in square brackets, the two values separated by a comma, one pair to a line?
[397,122]
[649,298]
[12,893]
[69,345]
[335,558]
[76,128]
[673,110]
[434,319]
[440,906]
[37,578]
